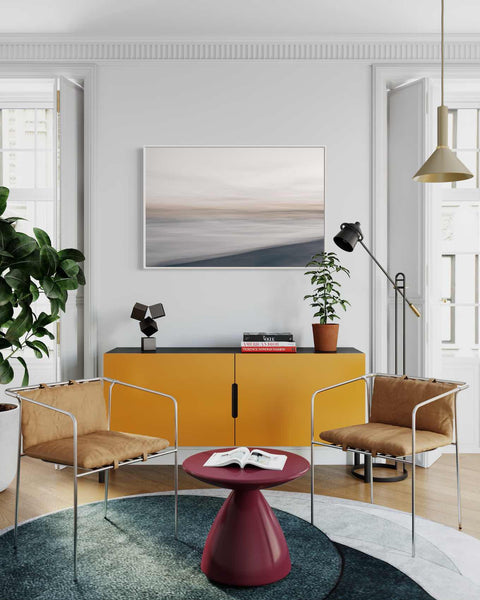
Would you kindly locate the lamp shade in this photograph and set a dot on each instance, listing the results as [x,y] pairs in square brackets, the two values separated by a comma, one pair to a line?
[348,236]
[443,165]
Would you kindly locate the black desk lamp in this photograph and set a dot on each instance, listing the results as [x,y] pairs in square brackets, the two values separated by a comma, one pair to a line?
[346,239]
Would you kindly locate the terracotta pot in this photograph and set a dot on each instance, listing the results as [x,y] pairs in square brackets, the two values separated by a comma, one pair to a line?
[325,337]
[9,415]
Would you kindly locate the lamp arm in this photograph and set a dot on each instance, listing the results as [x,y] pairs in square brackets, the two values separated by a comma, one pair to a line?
[413,308]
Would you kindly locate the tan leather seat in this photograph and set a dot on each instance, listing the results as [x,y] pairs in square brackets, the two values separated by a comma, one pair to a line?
[98,449]
[49,435]
[386,439]
[389,430]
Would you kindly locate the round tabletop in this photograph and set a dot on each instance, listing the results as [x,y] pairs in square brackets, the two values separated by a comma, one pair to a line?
[234,477]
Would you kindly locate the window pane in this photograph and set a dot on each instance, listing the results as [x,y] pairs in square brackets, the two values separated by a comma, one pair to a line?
[44,170]
[446,281]
[465,317]
[44,128]
[18,128]
[460,228]
[45,217]
[469,159]
[18,169]
[452,116]
[465,278]
[36,214]
[467,128]
[446,324]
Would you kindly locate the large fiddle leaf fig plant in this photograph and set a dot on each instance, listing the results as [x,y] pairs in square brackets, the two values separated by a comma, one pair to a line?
[30,266]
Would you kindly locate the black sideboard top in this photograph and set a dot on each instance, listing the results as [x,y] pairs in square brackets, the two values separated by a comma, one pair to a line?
[224,350]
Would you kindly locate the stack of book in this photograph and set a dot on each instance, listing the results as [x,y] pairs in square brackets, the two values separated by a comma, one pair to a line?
[268,342]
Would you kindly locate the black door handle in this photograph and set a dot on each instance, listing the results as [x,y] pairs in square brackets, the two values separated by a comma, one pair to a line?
[234,400]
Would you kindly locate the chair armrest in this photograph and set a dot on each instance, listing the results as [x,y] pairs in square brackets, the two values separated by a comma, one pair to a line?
[114,382]
[332,387]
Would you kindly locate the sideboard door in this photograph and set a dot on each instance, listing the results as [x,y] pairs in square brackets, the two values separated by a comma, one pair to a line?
[274,396]
[201,383]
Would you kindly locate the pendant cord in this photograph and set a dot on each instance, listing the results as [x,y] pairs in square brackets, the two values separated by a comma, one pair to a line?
[443,18]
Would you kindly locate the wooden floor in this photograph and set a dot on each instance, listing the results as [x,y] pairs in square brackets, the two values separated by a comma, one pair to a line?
[44,489]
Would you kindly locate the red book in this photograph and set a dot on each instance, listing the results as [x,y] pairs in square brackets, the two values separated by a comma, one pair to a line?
[277,349]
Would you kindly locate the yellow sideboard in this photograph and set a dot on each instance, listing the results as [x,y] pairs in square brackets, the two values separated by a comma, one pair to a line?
[273,394]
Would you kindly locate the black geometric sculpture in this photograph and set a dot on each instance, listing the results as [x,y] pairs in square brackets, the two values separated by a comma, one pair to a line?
[139,311]
[148,326]
[157,311]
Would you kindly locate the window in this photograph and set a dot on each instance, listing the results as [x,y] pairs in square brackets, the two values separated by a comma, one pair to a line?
[464,133]
[28,168]
[460,248]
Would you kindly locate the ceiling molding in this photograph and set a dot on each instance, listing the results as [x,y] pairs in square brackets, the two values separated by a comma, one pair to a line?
[378,49]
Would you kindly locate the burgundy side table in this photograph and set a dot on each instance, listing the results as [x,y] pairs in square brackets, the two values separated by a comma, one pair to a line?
[246,545]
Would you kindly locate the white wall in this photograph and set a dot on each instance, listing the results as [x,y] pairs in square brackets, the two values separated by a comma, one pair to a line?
[223,103]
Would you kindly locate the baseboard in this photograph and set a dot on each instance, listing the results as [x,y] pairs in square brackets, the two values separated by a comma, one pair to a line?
[322,456]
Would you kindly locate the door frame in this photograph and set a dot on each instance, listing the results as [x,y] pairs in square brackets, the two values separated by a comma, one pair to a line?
[383,77]
[86,72]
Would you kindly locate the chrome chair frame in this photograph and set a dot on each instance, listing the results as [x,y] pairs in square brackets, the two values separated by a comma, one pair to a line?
[369,381]
[16,393]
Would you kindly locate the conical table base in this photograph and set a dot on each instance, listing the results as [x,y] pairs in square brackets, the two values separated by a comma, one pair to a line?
[246,545]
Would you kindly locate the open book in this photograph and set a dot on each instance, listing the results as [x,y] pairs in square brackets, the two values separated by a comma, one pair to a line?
[242,457]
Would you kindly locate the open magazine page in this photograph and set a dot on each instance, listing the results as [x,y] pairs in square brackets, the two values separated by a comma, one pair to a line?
[266,460]
[237,456]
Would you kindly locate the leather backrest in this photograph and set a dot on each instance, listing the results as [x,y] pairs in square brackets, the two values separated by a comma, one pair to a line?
[85,401]
[394,398]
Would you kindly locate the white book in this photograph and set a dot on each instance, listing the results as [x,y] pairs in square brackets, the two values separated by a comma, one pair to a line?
[242,457]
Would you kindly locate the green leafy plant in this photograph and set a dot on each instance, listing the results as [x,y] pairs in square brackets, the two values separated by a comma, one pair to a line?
[326,295]
[28,267]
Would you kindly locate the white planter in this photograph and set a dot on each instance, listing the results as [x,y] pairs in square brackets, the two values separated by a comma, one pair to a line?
[8,445]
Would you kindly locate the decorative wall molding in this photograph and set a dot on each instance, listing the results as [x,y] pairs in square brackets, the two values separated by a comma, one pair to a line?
[375,49]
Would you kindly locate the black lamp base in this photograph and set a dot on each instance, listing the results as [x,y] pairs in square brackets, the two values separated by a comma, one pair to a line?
[369,464]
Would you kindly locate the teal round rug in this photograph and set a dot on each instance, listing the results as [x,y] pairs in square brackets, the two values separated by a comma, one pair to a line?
[134,556]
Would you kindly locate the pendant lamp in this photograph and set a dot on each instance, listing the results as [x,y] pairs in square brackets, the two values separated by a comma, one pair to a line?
[443,165]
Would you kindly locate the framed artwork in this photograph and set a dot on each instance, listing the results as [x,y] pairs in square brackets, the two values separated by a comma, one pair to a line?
[233,207]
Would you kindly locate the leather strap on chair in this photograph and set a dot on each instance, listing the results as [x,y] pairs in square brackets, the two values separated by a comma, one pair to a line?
[115,463]
[145,456]
[72,382]
[43,386]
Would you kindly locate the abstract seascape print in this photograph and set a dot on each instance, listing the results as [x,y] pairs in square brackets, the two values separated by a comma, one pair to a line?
[233,206]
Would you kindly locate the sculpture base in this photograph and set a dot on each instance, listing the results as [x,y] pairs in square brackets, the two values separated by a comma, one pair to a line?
[149,344]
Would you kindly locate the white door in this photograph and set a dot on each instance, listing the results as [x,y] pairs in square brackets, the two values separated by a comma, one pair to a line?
[70,128]
[406,240]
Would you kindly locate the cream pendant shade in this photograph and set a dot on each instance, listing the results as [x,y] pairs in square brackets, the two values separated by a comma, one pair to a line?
[443,165]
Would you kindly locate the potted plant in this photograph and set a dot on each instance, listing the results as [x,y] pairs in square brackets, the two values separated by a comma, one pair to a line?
[326,299]
[29,266]
[9,414]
